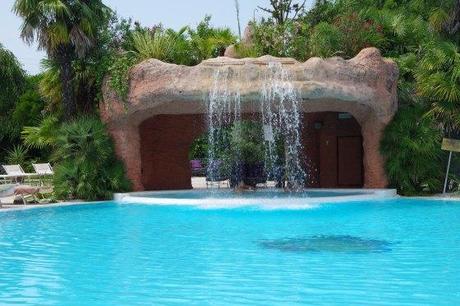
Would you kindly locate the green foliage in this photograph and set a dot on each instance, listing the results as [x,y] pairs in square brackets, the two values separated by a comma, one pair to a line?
[86,167]
[54,24]
[67,30]
[268,38]
[247,143]
[30,104]
[411,146]
[88,72]
[159,44]
[18,155]
[49,86]
[207,42]
[185,47]
[290,39]
[44,136]
[358,33]
[12,80]
[199,148]
[326,40]
[12,85]
[344,35]
[438,80]
[247,50]
[119,73]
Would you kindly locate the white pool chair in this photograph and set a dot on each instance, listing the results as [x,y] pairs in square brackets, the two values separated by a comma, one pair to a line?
[43,169]
[12,170]
[15,173]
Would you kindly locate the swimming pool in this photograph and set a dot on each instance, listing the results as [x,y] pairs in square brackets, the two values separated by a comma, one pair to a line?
[388,251]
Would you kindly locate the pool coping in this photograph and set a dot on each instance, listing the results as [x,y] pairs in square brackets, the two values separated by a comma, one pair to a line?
[365,194]
[118,197]
[19,207]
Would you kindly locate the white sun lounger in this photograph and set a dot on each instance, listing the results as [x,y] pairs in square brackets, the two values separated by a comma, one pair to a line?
[43,169]
[15,172]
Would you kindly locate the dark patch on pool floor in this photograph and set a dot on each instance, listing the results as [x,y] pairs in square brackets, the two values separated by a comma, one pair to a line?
[327,243]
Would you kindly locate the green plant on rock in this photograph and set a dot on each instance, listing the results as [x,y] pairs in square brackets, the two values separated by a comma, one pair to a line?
[207,41]
[326,40]
[119,73]
[86,166]
[247,50]
[159,44]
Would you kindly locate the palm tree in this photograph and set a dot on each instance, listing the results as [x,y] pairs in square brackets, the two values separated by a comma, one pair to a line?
[411,146]
[207,42]
[65,29]
[160,44]
[438,80]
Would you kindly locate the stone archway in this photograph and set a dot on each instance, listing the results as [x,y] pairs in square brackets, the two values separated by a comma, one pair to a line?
[364,86]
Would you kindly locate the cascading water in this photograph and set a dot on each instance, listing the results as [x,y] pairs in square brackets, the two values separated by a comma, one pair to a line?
[281,118]
[224,108]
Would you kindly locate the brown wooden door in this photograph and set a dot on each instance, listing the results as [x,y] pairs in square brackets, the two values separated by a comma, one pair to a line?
[349,161]
[328,160]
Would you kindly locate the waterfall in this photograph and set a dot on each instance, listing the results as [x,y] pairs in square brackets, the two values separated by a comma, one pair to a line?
[281,119]
[224,108]
[281,116]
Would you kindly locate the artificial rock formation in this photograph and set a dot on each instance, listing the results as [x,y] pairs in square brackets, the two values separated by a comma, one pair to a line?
[364,86]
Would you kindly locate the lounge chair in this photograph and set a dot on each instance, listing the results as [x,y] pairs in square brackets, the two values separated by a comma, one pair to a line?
[43,170]
[18,192]
[15,173]
[27,193]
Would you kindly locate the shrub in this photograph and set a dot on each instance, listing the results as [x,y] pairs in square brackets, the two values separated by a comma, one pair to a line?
[412,148]
[86,167]
[18,155]
[326,40]
[247,143]
[30,105]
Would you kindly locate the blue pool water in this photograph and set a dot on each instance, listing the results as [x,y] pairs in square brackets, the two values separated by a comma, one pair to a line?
[388,252]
